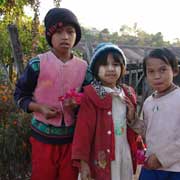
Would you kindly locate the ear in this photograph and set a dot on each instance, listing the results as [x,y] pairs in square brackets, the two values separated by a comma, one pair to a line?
[175,73]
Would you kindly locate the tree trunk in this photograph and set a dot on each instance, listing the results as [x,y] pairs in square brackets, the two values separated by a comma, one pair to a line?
[16,48]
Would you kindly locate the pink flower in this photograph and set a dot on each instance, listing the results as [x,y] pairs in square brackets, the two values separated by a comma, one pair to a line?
[140,156]
[72,94]
[61,98]
[15,122]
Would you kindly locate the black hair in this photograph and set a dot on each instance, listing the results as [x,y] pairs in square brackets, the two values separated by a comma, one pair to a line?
[102,60]
[165,55]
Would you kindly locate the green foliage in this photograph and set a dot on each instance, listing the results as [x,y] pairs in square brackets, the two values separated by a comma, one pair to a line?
[176,42]
[127,35]
[14,124]
[2,2]
[14,137]
[5,51]
[135,36]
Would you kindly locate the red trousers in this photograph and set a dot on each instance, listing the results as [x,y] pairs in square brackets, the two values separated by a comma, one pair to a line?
[52,162]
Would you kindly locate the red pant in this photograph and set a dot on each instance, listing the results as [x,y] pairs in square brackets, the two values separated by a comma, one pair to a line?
[52,162]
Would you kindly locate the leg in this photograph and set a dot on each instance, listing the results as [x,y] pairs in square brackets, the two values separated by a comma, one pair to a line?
[147,174]
[43,162]
[66,170]
[175,176]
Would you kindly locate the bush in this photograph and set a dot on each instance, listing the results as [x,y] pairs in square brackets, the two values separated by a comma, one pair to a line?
[14,138]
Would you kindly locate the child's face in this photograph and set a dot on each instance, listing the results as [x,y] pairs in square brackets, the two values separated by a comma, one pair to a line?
[64,38]
[109,73]
[159,74]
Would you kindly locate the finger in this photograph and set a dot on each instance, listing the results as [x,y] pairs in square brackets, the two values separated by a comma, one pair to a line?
[51,114]
[89,176]
[128,103]
[126,99]
[83,176]
[53,109]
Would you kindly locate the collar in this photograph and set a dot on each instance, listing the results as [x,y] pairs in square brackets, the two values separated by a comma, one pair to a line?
[102,91]
[167,91]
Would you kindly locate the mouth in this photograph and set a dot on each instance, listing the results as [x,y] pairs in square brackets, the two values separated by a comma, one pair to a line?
[158,84]
[110,75]
[64,44]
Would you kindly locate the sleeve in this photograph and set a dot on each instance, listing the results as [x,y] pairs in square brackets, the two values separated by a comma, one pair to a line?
[84,131]
[170,154]
[26,84]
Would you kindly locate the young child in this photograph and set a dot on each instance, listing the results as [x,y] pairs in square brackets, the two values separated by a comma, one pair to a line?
[46,78]
[100,145]
[161,123]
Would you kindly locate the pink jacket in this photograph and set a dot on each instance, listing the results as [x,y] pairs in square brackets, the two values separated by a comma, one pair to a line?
[55,79]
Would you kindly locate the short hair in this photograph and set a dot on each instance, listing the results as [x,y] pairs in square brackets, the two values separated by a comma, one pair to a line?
[165,55]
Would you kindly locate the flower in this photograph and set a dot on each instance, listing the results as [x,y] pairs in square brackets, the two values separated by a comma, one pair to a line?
[4,98]
[72,94]
[141,150]
[140,156]
[15,122]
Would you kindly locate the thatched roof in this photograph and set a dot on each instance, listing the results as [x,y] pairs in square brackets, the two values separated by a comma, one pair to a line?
[135,54]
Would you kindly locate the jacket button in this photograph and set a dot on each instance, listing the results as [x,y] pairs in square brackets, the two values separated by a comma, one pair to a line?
[109,132]
[109,113]
[108,150]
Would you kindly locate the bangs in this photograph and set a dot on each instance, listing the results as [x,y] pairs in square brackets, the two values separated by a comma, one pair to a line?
[102,60]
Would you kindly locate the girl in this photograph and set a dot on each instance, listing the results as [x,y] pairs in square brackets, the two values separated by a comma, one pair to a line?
[100,143]
[161,123]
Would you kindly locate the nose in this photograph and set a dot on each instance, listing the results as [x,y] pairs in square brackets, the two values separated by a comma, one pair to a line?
[157,75]
[65,35]
[110,67]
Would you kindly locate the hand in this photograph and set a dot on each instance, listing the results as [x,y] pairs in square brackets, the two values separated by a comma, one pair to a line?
[131,109]
[85,171]
[152,162]
[71,103]
[48,112]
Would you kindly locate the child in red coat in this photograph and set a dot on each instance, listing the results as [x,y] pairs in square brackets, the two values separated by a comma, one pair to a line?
[103,146]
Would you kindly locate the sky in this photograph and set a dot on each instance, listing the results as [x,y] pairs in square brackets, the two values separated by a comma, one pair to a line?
[152,16]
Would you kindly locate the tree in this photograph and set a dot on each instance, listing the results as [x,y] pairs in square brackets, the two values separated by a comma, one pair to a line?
[57,3]
[176,42]
[136,36]
[12,12]
[115,37]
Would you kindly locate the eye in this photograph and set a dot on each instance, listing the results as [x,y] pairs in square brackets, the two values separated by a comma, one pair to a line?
[162,70]
[70,30]
[150,71]
[116,64]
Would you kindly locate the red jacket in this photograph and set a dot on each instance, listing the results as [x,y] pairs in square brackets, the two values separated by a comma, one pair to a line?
[94,134]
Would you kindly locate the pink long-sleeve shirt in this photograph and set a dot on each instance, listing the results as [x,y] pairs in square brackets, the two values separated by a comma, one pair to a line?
[161,129]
